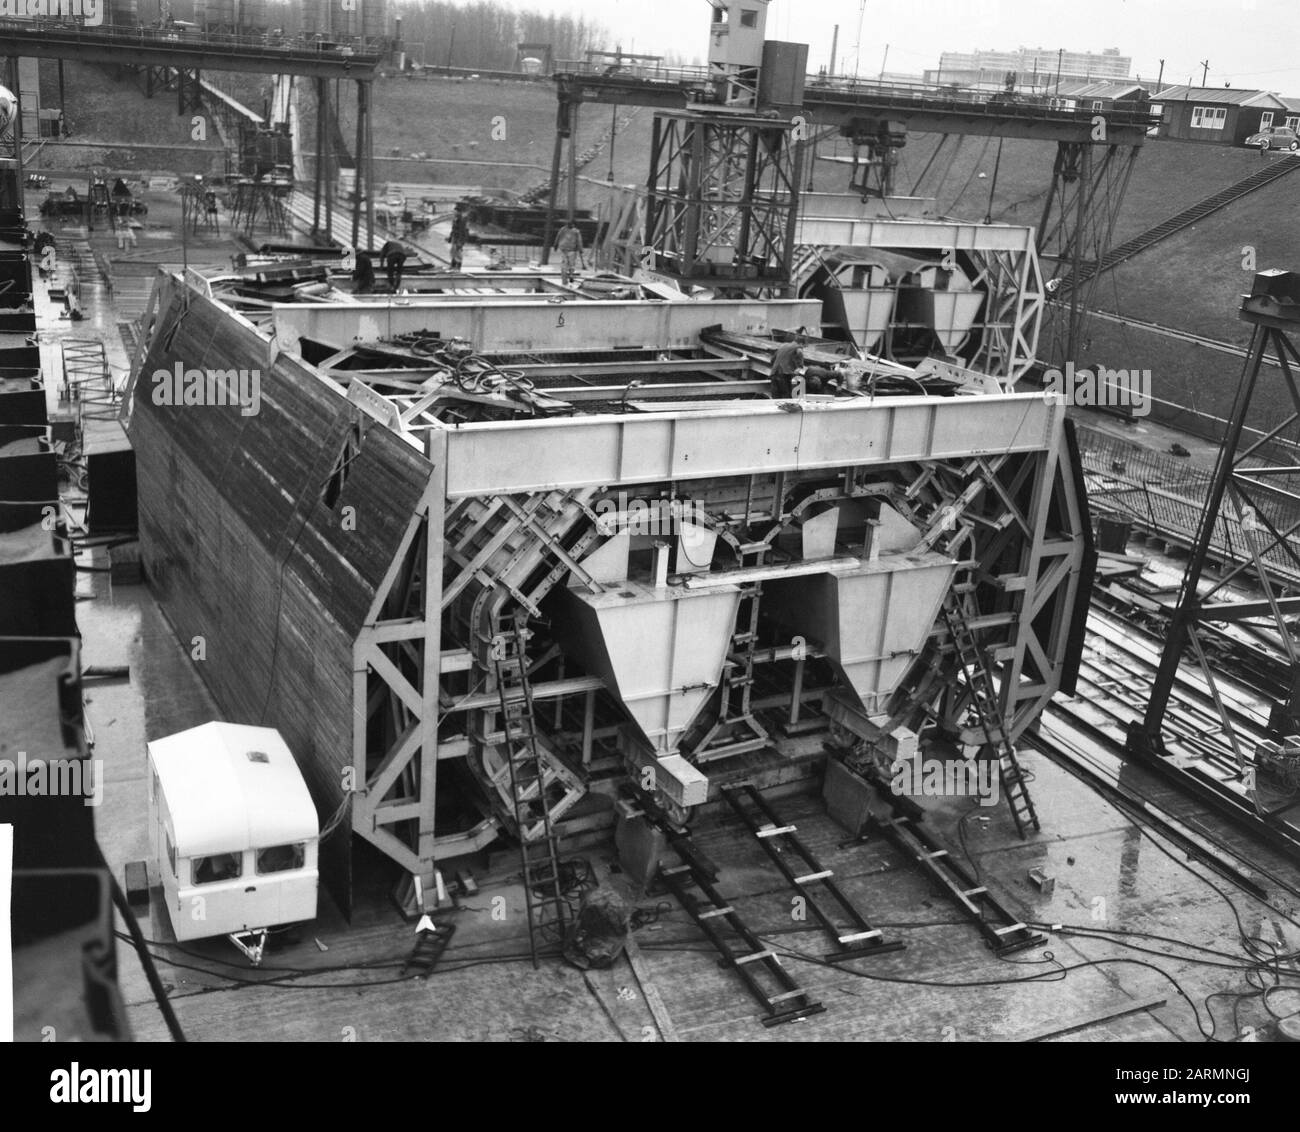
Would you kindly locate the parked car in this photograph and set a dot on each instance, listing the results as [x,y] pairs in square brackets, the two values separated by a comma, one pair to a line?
[1279,137]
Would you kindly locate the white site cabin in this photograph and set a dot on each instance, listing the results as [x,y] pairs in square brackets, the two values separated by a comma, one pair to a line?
[233,833]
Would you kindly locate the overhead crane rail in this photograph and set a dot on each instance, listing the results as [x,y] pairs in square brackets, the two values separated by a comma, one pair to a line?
[166,46]
[831,101]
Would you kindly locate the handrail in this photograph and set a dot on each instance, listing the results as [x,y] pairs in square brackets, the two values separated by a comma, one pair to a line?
[1167,495]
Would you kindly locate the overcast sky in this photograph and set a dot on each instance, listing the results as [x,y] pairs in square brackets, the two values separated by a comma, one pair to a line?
[1249,43]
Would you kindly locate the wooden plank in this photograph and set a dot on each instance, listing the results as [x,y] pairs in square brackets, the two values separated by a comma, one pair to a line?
[650,992]
[599,996]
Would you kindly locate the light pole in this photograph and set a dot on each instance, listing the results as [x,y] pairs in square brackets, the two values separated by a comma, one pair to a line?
[613,129]
[857,47]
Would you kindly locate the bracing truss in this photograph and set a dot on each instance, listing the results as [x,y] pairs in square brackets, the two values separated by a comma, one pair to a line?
[1076,231]
[722,199]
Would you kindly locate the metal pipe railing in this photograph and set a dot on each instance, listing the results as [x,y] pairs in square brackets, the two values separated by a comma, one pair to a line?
[1167,495]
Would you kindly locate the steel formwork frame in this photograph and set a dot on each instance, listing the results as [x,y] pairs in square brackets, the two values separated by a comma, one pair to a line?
[1001,492]
[1005,263]
[1042,589]
[722,199]
[977,470]
[1019,527]
[400,624]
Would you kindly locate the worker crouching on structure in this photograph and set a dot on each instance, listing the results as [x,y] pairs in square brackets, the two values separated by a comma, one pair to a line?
[793,377]
[394,257]
[569,244]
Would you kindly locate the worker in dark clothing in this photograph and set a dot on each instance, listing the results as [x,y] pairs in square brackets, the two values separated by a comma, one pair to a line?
[363,276]
[786,365]
[459,234]
[393,256]
[821,379]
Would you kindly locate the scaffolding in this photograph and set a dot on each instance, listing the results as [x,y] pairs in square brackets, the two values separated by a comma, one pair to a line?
[199,212]
[722,200]
[263,203]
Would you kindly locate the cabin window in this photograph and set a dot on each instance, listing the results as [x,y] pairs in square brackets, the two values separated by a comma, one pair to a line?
[218,867]
[1266,120]
[1293,122]
[1096,103]
[281,858]
[749,17]
[1209,117]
